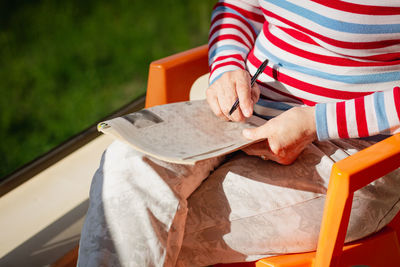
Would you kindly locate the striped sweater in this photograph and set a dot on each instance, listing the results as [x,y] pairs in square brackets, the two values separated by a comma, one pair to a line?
[342,56]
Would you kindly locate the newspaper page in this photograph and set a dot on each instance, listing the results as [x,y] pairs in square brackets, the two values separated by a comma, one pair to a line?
[183,132]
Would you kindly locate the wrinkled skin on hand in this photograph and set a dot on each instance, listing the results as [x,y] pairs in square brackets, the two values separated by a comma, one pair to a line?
[222,94]
[285,136]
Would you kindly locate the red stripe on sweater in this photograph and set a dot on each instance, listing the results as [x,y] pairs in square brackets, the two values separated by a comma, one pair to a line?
[248,14]
[229,37]
[361,117]
[237,56]
[337,43]
[341,120]
[386,58]
[231,26]
[306,87]
[359,9]
[234,16]
[298,35]
[223,64]
[331,60]
[295,98]
[396,96]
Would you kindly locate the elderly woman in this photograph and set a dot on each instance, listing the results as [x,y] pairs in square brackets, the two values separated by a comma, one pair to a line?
[331,86]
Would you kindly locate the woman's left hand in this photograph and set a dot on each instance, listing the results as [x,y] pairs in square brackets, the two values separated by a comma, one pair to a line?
[286,135]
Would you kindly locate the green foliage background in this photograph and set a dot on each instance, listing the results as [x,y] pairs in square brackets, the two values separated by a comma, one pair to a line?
[64,65]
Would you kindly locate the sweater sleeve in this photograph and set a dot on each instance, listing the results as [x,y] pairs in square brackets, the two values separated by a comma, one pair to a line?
[377,113]
[234,27]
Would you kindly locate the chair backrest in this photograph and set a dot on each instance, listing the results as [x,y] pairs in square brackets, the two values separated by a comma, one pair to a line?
[171,78]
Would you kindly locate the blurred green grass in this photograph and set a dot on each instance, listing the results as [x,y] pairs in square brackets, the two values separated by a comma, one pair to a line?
[66,64]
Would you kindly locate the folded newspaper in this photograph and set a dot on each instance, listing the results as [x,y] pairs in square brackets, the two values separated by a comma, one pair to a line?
[184,132]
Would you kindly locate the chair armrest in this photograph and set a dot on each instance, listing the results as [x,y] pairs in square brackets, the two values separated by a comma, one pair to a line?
[170,78]
[347,176]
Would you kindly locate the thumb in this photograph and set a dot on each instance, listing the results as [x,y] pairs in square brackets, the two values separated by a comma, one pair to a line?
[256,133]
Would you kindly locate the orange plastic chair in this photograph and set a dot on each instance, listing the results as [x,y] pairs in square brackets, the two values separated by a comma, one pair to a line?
[170,80]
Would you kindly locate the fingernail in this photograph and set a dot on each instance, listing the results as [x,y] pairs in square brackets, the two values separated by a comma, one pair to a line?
[246,112]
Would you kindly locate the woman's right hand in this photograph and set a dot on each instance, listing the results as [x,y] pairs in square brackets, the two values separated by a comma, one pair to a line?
[222,94]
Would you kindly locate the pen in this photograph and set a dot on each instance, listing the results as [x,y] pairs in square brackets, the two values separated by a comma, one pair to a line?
[253,80]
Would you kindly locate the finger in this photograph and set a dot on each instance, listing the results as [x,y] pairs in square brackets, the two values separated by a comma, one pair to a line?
[261,132]
[255,93]
[257,149]
[261,149]
[276,148]
[243,90]
[214,104]
[271,156]
[218,111]
[237,115]
[226,99]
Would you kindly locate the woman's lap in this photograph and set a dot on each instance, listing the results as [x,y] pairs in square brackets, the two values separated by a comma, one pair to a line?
[245,209]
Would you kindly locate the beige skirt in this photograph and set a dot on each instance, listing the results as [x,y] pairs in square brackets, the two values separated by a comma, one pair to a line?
[145,212]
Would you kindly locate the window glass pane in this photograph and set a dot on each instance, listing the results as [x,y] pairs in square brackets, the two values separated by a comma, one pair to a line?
[66,64]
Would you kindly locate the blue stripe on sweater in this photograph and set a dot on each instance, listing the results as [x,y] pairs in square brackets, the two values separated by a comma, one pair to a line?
[379,104]
[350,79]
[225,9]
[334,24]
[273,105]
[321,122]
[263,116]
[216,78]
[226,47]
